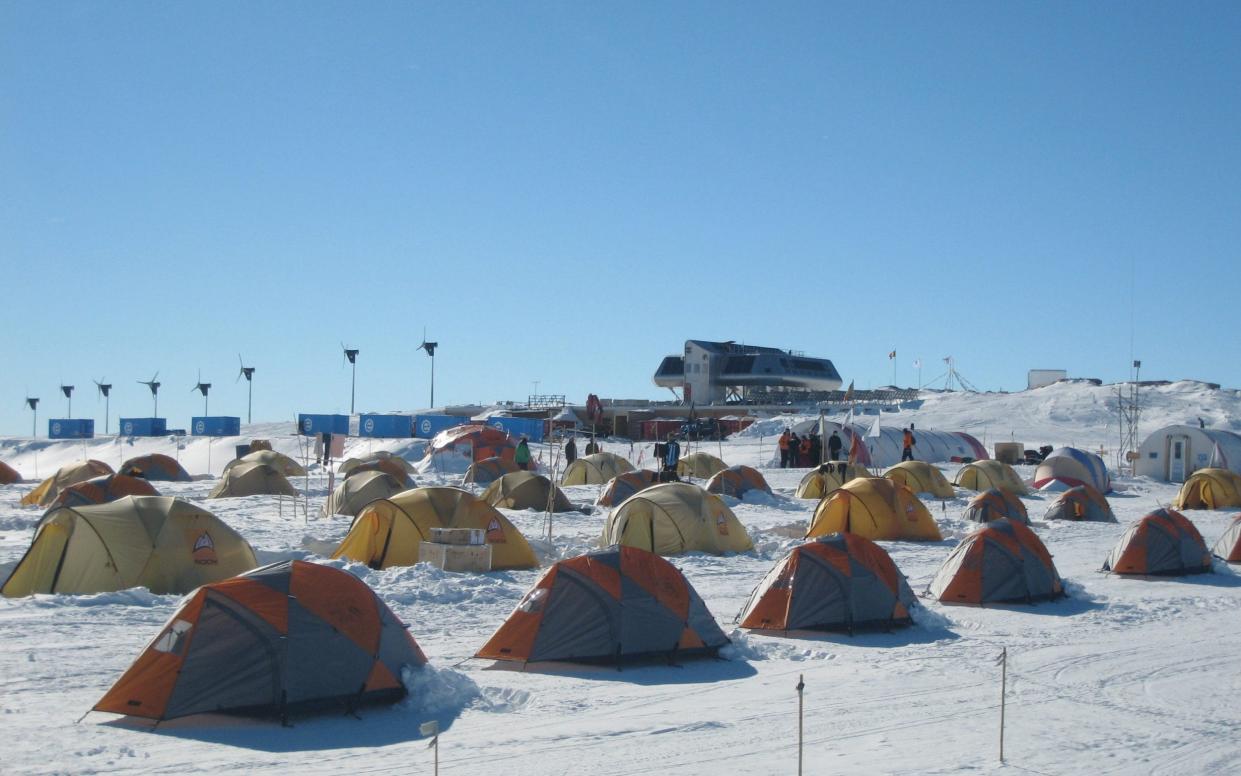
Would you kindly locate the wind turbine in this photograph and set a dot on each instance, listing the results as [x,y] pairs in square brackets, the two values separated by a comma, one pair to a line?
[248,373]
[351,355]
[430,347]
[33,404]
[67,390]
[153,384]
[104,390]
[202,388]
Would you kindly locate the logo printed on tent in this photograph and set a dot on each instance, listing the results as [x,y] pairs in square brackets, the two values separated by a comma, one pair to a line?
[204,550]
[495,534]
[721,525]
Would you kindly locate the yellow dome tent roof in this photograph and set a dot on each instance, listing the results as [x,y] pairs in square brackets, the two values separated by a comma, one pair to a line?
[47,491]
[387,532]
[985,475]
[358,490]
[701,465]
[252,479]
[673,518]
[525,490]
[921,477]
[1210,489]
[876,508]
[161,543]
[818,483]
[278,461]
[595,469]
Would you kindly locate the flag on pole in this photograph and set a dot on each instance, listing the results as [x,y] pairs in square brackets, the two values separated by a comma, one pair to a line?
[892,354]
[874,429]
[917,363]
[1218,461]
[855,448]
[849,393]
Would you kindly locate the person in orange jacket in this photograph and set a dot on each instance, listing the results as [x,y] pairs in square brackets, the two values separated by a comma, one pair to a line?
[803,458]
[784,449]
[907,451]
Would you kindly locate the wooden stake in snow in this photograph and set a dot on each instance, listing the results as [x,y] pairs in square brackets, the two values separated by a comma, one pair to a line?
[801,686]
[433,729]
[1003,687]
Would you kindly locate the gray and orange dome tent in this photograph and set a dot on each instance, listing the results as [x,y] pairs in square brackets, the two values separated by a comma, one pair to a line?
[595,469]
[837,582]
[826,477]
[736,481]
[1002,561]
[622,486]
[155,467]
[1082,502]
[607,606]
[8,475]
[101,490]
[676,517]
[1164,543]
[1210,489]
[1228,545]
[994,504]
[163,544]
[876,508]
[526,490]
[485,441]
[47,491]
[489,470]
[389,532]
[984,475]
[921,477]
[287,637]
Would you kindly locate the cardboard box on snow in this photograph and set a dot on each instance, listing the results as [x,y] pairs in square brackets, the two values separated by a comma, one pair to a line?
[458,536]
[456,557]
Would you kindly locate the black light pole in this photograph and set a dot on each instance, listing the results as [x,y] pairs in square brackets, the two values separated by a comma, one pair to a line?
[33,403]
[104,390]
[430,347]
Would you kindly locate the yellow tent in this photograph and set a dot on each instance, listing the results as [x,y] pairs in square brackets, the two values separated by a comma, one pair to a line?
[876,508]
[595,469]
[49,489]
[278,461]
[158,542]
[985,475]
[387,532]
[818,483]
[395,461]
[252,479]
[526,490]
[1210,489]
[921,477]
[701,465]
[673,518]
[358,490]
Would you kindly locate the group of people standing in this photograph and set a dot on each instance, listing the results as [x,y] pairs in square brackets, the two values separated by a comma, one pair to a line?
[800,452]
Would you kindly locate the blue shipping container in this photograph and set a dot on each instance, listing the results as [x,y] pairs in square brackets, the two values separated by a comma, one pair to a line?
[386,426]
[531,428]
[215,425]
[144,427]
[427,426]
[70,428]
[310,425]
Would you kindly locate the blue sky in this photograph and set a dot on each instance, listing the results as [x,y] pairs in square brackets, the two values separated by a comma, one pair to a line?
[565,192]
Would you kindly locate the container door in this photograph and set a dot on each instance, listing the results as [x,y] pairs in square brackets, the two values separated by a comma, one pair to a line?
[1178,451]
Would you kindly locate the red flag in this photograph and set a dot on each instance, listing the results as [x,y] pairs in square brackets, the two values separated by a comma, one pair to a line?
[849,393]
[855,448]
[892,354]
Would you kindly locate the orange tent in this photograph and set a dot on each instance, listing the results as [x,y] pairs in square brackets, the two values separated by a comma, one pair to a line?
[73,473]
[8,475]
[609,605]
[1082,502]
[101,490]
[285,637]
[487,441]
[1164,543]
[1228,546]
[736,481]
[837,582]
[155,466]
[622,486]
[993,504]
[1000,562]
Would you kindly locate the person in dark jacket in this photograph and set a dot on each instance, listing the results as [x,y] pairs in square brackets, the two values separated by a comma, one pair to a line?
[816,450]
[833,446]
[570,451]
[794,449]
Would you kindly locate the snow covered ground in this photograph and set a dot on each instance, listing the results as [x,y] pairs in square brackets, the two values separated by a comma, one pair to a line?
[1125,676]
